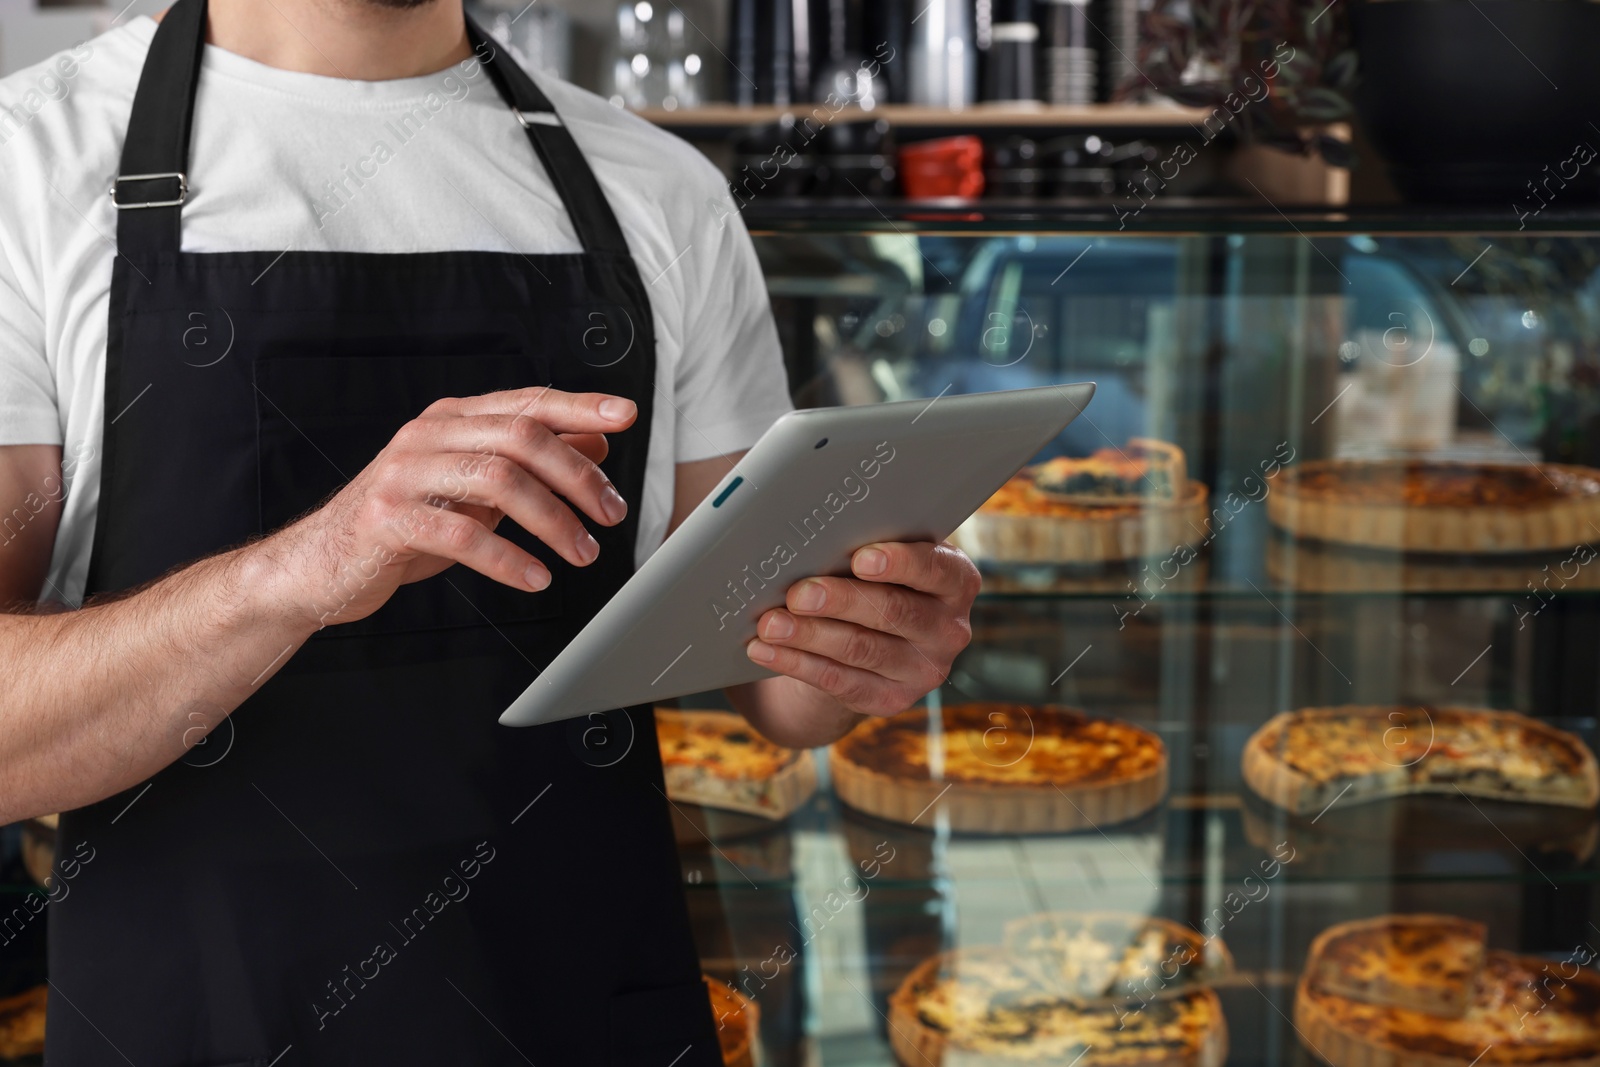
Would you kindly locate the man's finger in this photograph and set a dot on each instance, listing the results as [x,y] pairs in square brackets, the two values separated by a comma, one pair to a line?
[477,440]
[453,536]
[593,446]
[941,570]
[560,411]
[499,483]
[856,689]
[855,646]
[888,608]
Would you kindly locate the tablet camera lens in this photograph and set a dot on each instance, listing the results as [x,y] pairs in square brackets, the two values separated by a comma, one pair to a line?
[822,442]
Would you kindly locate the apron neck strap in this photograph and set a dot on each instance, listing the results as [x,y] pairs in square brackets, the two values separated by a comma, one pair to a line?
[153,182]
[563,161]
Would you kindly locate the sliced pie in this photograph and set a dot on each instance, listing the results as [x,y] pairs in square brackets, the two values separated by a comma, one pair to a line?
[1438,507]
[978,1007]
[1305,760]
[1426,963]
[1001,768]
[714,758]
[1516,1017]
[1142,470]
[1115,955]
[738,1023]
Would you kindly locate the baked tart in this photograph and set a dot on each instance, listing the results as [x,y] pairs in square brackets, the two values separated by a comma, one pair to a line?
[1304,760]
[22,1024]
[1114,955]
[738,1023]
[979,1007]
[1411,506]
[716,759]
[1131,503]
[1425,963]
[1144,469]
[1511,1018]
[1001,768]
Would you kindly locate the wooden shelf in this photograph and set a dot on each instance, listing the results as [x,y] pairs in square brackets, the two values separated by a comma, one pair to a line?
[981,116]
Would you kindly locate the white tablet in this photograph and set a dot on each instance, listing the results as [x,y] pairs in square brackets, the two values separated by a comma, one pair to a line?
[817,486]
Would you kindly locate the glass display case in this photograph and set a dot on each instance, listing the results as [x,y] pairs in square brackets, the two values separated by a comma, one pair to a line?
[1379,505]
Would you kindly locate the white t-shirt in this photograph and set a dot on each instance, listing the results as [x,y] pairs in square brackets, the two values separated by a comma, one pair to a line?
[267,143]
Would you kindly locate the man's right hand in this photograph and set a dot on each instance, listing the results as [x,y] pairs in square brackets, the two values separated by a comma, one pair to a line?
[434,496]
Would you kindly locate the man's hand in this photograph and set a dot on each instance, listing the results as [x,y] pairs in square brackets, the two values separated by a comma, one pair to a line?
[433,497]
[879,642]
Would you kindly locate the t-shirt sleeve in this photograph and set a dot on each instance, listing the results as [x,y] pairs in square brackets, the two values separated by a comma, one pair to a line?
[731,383]
[28,411]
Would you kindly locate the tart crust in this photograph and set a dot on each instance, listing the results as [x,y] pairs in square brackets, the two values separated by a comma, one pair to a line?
[1274,779]
[773,795]
[998,807]
[1020,525]
[1321,499]
[916,1043]
[1327,1022]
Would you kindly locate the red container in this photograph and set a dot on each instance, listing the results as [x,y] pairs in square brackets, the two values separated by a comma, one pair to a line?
[952,167]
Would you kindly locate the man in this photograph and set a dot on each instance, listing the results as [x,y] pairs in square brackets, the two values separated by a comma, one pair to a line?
[371,381]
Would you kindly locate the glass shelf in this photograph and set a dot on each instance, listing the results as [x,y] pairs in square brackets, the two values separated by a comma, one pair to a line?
[1126,215]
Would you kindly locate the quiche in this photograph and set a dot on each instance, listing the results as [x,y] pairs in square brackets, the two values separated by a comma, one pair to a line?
[1426,963]
[715,759]
[22,1024]
[1114,955]
[1412,506]
[1511,1020]
[978,1007]
[738,1023]
[1023,523]
[1143,470]
[1305,760]
[1000,768]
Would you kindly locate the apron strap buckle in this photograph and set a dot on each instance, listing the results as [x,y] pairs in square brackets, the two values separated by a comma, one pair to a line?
[536,118]
[177,176]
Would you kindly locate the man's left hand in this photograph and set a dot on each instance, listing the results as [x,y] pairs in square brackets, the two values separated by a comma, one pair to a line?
[877,643]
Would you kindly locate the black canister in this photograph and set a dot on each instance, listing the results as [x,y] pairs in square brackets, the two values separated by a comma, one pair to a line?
[1011,168]
[1069,72]
[760,53]
[1078,166]
[857,159]
[775,160]
[1009,69]
[885,39]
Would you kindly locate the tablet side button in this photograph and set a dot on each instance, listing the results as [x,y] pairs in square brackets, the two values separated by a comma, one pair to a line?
[726,493]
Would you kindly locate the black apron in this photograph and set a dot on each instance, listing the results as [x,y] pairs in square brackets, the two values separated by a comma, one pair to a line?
[360,865]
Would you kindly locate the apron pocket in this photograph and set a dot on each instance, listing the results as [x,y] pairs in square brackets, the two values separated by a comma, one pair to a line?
[655,1027]
[320,420]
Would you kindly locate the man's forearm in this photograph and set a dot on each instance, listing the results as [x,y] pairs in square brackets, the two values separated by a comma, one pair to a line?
[95,701]
[792,713]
